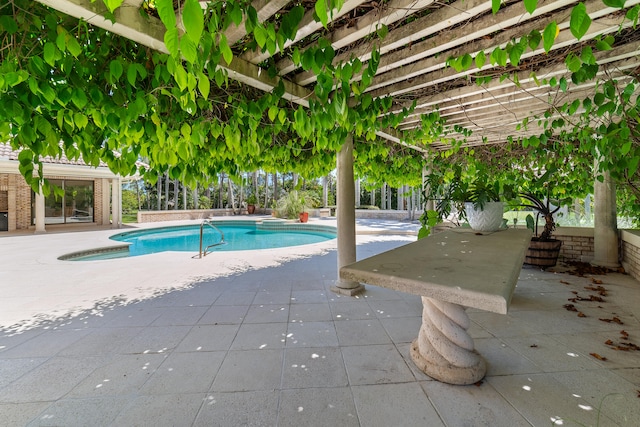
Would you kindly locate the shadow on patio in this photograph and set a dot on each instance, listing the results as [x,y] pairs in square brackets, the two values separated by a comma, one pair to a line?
[275,347]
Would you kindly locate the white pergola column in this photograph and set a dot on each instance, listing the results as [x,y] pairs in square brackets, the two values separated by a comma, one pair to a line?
[325,192]
[106,202]
[357,193]
[605,225]
[116,204]
[40,211]
[346,216]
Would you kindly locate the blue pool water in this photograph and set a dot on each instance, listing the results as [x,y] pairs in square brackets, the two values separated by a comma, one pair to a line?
[187,239]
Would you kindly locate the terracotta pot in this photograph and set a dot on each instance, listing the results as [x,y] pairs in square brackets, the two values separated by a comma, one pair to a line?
[304,217]
[543,254]
[251,209]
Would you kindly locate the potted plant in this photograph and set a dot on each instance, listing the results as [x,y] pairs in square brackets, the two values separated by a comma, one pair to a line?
[475,198]
[294,205]
[303,216]
[544,249]
[251,204]
[483,204]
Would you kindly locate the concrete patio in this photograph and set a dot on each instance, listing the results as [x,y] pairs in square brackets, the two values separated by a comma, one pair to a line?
[257,338]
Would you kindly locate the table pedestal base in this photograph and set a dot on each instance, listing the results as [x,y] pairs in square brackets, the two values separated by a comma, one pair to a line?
[444,350]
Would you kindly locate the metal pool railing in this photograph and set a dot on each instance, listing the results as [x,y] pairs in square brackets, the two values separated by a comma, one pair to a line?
[221,242]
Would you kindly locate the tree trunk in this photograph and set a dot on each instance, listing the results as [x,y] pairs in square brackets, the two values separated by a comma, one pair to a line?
[138,194]
[221,191]
[184,197]
[275,186]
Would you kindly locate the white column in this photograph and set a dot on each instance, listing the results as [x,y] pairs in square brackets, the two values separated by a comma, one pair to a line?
[383,196]
[357,193]
[116,206]
[106,202]
[605,227]
[346,217]
[40,211]
[325,191]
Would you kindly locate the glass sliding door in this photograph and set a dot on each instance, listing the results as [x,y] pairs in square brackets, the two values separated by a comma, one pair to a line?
[75,205]
[53,212]
[78,201]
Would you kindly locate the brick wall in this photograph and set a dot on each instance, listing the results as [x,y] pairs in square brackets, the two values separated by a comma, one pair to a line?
[177,215]
[576,247]
[23,203]
[631,252]
[97,201]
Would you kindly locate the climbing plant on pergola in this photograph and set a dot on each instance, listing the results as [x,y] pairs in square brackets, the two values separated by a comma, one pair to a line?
[199,91]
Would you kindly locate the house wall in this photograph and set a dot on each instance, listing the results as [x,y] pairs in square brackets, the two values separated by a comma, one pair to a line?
[19,199]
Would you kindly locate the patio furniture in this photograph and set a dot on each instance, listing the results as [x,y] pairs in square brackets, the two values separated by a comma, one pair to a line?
[451,270]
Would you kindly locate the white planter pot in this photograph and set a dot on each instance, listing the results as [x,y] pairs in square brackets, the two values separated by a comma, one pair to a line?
[487,219]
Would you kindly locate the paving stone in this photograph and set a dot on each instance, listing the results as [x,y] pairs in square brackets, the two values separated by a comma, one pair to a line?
[313,367]
[225,314]
[161,410]
[208,338]
[394,404]
[375,364]
[251,408]
[249,370]
[100,411]
[473,405]
[311,334]
[362,332]
[185,373]
[319,407]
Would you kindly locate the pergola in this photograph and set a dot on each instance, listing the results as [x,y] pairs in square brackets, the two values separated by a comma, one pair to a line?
[422,35]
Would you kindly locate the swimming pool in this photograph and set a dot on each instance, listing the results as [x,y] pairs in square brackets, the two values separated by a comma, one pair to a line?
[238,236]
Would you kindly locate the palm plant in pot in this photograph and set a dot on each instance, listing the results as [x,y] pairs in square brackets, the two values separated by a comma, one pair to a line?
[251,204]
[295,205]
[544,249]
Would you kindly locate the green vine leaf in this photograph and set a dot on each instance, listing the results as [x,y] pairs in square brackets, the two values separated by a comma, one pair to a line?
[225,49]
[614,3]
[171,41]
[495,6]
[530,6]
[549,35]
[580,21]
[321,12]
[166,13]
[480,59]
[193,20]
[188,49]
[112,4]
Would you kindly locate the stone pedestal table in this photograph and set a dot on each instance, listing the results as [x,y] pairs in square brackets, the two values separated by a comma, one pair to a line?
[451,270]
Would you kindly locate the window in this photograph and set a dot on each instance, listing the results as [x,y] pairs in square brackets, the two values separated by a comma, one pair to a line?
[76,205]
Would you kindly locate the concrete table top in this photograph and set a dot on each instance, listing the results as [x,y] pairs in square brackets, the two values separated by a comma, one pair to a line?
[460,266]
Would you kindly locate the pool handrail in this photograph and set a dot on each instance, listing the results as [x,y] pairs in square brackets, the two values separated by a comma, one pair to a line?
[221,242]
